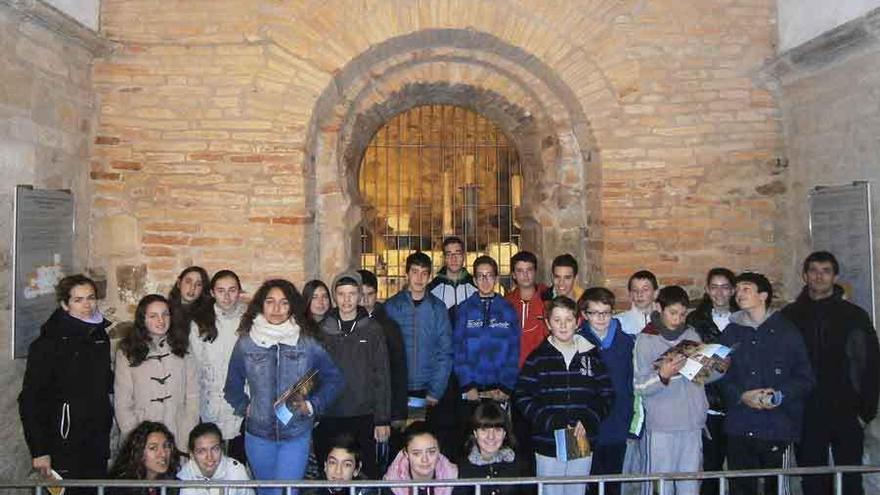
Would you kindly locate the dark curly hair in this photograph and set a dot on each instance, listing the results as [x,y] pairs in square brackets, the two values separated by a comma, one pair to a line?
[136,345]
[129,464]
[298,306]
[182,314]
[206,318]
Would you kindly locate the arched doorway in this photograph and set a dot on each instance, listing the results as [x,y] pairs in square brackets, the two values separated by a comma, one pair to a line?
[431,172]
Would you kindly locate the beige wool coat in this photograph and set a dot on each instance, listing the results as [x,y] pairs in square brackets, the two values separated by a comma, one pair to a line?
[163,388]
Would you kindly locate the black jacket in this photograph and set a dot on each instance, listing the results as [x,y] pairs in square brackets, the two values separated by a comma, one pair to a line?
[397,360]
[701,320]
[467,469]
[65,397]
[845,355]
[362,356]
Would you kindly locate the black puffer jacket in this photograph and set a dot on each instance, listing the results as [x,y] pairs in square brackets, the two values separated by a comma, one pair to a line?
[845,355]
[65,398]
[701,320]
[505,465]
[397,361]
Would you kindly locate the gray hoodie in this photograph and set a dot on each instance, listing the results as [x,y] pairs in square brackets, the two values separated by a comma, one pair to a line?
[679,406]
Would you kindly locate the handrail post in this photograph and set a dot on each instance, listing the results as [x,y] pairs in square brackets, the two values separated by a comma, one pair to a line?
[352,490]
[838,483]
[478,488]
[662,486]
[38,490]
[540,488]
[163,490]
[780,484]
[601,487]
[100,489]
[288,490]
[722,485]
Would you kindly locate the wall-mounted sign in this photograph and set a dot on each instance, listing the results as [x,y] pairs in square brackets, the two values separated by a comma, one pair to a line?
[42,256]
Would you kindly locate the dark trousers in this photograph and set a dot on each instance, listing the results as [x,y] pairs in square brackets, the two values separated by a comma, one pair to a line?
[235,447]
[84,465]
[753,453]
[847,442]
[443,420]
[360,427]
[714,452]
[608,459]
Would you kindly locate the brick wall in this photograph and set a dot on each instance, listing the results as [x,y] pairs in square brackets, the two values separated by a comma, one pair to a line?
[226,129]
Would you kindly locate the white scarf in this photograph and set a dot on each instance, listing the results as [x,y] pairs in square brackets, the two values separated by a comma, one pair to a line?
[265,334]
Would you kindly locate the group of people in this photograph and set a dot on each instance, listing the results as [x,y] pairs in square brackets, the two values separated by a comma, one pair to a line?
[449,379]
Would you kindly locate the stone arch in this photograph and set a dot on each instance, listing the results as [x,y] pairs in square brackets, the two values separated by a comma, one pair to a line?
[524,97]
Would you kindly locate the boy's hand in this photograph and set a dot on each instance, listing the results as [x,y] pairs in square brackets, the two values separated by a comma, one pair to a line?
[472,395]
[755,398]
[670,367]
[580,431]
[499,395]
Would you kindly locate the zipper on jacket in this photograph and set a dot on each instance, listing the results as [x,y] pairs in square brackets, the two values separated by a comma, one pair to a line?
[277,381]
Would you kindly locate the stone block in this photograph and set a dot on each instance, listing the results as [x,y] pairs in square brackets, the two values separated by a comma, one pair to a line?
[116,236]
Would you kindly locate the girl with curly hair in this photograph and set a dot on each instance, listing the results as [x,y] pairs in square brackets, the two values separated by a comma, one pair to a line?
[148,453]
[155,379]
[277,348]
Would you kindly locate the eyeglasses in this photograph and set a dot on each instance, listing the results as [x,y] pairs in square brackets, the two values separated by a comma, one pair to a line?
[599,314]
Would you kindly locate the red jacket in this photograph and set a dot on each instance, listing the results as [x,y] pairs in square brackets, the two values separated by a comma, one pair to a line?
[531,320]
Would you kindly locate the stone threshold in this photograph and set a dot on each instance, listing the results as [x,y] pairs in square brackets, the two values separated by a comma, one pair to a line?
[858,36]
[43,14]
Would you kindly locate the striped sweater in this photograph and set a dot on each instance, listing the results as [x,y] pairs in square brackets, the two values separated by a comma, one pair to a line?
[554,395]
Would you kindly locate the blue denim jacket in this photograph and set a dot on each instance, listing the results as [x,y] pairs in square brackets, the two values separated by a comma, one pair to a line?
[268,372]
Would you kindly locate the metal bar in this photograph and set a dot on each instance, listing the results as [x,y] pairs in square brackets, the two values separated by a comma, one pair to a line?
[722,485]
[780,484]
[163,490]
[838,483]
[540,488]
[288,490]
[662,486]
[601,487]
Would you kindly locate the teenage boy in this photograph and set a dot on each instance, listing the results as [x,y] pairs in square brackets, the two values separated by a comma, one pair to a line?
[675,407]
[564,270]
[526,301]
[642,287]
[486,339]
[453,284]
[709,319]
[394,340]
[602,330]
[207,463]
[564,384]
[427,334]
[485,342]
[357,344]
[765,387]
[843,349]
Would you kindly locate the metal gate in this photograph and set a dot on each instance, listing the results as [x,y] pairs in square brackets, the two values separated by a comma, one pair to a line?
[432,172]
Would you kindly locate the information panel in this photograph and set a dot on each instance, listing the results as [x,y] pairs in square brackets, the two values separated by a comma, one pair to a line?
[43,255]
[840,222]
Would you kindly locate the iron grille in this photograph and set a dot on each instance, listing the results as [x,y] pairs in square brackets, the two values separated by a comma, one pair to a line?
[432,172]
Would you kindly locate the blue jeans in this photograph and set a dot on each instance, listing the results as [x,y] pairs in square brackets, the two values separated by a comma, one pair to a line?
[551,466]
[282,460]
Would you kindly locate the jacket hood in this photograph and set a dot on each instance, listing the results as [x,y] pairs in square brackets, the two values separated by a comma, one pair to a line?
[61,324]
[399,471]
[191,472]
[330,323]
[741,317]
[464,278]
[838,294]
[583,345]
